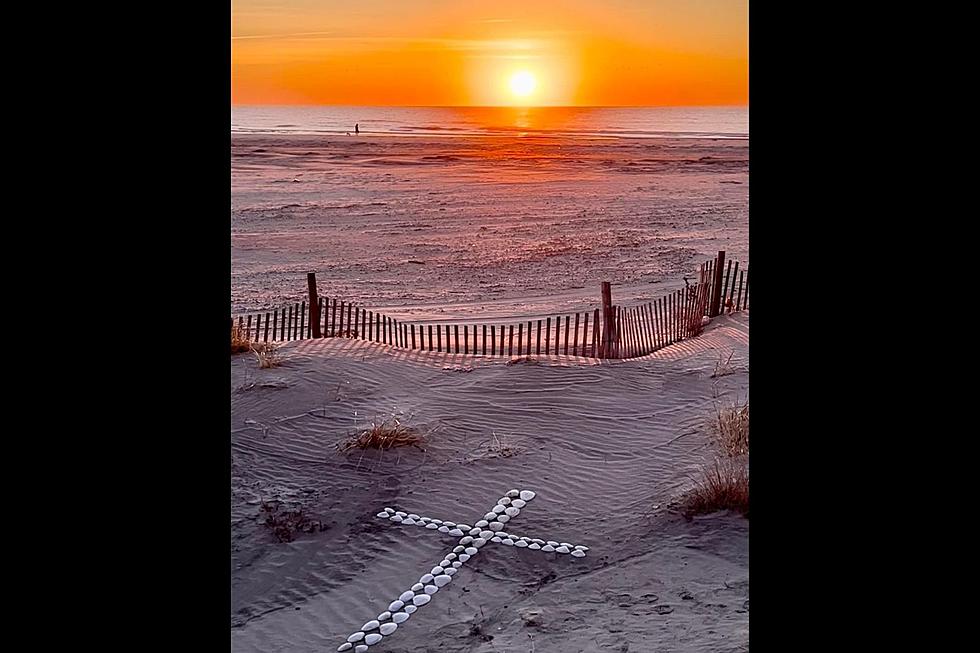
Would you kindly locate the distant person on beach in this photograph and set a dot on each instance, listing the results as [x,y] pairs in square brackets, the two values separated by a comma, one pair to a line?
[357,128]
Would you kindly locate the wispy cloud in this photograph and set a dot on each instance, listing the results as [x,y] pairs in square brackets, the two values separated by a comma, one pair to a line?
[282,36]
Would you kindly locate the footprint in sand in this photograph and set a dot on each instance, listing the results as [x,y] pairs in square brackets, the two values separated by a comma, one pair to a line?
[663,609]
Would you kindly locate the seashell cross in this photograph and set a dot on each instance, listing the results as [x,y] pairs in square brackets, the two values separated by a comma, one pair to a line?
[488,529]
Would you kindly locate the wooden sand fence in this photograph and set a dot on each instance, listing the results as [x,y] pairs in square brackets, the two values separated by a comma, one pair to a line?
[607,332]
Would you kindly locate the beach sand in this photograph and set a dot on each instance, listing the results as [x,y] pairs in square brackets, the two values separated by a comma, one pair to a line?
[423,227]
[606,446]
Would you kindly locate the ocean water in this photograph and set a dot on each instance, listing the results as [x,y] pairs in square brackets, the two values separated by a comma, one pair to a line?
[584,122]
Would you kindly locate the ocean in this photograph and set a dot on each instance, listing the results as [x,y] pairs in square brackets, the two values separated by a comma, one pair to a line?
[585,122]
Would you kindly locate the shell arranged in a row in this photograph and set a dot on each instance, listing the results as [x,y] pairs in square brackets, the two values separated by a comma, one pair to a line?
[488,529]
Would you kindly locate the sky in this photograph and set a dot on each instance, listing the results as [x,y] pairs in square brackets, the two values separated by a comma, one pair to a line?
[490,53]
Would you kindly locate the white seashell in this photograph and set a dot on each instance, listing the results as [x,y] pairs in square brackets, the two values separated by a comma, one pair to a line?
[548,548]
[518,503]
[527,495]
[442,580]
[395,606]
[417,587]
[526,539]
[476,529]
[471,551]
[497,509]
[443,529]
[466,540]
[511,511]
[444,564]
[420,523]
[490,516]
[566,544]
[356,637]
[410,609]
[537,541]
[463,527]
[431,589]
[451,571]
[406,596]
[414,516]
[450,524]
[455,532]
[562,549]
[402,514]
[578,553]
[395,518]
[463,557]
[383,514]
[346,646]
[496,539]
[497,526]
[409,521]
[361,648]
[478,542]
[513,493]
[503,519]
[436,570]
[457,565]
[371,625]
[486,534]
[431,527]
[388,628]
[502,534]
[390,511]
[581,548]
[508,542]
[424,520]
[384,616]
[451,556]
[458,549]
[373,638]
[421,599]
[534,546]
[436,521]
[520,544]
[400,617]
[425,579]
[553,543]
[504,502]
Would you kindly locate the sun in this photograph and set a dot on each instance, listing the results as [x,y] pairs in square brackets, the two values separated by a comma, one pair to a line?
[522,83]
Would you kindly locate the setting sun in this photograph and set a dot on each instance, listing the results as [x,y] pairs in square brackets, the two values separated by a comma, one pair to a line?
[522,83]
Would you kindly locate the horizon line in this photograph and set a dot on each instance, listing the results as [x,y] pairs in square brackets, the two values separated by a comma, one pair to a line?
[497,106]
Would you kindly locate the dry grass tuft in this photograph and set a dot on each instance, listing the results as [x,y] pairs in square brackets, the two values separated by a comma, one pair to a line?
[723,486]
[239,340]
[723,368]
[385,434]
[731,429]
[268,355]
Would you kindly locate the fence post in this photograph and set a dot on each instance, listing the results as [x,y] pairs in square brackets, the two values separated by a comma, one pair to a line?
[716,288]
[314,304]
[607,344]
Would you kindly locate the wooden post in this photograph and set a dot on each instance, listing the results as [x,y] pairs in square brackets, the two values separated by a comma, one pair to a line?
[520,338]
[746,304]
[716,286]
[575,341]
[314,305]
[585,333]
[608,337]
[510,341]
[537,343]
[529,337]
[738,302]
[501,339]
[484,339]
[456,330]
[493,340]
[731,294]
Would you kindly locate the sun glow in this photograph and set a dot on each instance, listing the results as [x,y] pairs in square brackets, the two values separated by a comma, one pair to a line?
[522,84]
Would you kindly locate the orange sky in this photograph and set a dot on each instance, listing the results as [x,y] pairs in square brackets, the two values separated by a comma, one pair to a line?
[451,52]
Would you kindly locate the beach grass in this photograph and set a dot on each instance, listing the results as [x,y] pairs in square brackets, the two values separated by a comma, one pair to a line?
[239,340]
[385,434]
[730,428]
[724,485]
[268,355]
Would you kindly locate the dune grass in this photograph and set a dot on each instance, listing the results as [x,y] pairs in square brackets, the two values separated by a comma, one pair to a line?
[239,340]
[385,434]
[724,484]
[268,355]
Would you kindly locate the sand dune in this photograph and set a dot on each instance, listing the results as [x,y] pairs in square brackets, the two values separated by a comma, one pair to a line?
[604,445]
